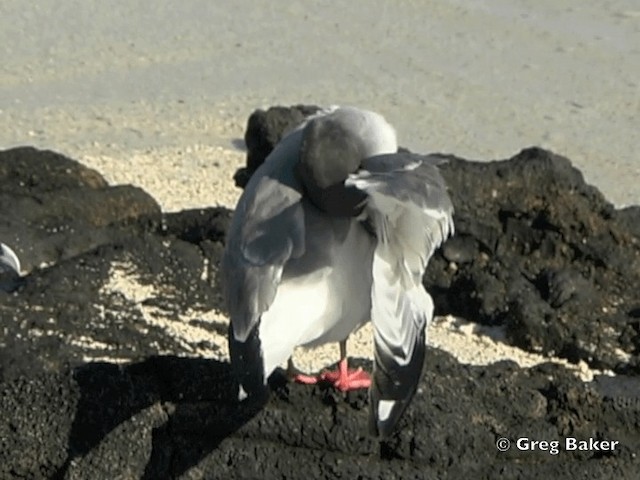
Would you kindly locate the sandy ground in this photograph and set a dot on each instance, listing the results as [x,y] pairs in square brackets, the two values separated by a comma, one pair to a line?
[159,98]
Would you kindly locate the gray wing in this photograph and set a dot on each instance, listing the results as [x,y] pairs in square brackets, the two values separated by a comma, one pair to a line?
[267,229]
[9,259]
[410,212]
[267,233]
[409,208]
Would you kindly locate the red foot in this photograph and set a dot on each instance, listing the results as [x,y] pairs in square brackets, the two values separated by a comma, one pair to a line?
[342,379]
[306,379]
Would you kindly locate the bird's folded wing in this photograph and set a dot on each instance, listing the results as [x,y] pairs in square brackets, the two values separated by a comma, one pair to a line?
[267,231]
[408,207]
[410,212]
[399,319]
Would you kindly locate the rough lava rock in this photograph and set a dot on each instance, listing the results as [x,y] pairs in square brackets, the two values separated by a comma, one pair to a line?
[84,244]
[265,128]
[543,253]
[53,208]
[536,250]
[171,417]
[106,351]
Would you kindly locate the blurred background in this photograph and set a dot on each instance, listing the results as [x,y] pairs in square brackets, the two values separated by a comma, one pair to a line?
[479,79]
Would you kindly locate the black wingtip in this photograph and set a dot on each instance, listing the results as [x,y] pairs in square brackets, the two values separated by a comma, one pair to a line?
[247,363]
[383,428]
[393,388]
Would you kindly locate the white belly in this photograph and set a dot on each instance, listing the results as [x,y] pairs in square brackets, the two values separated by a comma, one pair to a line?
[323,305]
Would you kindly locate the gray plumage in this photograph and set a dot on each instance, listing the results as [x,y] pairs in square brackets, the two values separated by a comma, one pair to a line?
[9,269]
[333,230]
[8,259]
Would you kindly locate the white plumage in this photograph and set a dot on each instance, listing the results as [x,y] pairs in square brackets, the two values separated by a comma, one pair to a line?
[333,230]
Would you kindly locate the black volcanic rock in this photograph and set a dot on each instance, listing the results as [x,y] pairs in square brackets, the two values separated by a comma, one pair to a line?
[170,417]
[53,208]
[554,261]
[537,250]
[265,128]
[79,237]
[98,379]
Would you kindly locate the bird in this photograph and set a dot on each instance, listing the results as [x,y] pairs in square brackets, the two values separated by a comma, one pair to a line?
[9,268]
[8,260]
[335,229]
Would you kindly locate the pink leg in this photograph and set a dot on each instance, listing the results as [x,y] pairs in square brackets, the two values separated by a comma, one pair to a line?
[306,379]
[345,379]
[342,379]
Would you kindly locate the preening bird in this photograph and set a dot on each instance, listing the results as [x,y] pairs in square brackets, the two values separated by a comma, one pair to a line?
[335,229]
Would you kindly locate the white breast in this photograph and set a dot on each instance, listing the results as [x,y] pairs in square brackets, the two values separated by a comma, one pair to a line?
[322,306]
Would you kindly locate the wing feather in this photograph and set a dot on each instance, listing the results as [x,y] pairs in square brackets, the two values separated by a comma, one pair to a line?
[409,207]
[9,258]
[399,318]
[267,230]
[411,214]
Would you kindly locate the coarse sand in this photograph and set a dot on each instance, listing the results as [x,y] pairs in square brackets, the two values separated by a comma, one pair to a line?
[159,98]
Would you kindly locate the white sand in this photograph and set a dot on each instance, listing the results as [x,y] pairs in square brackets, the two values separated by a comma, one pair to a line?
[159,97]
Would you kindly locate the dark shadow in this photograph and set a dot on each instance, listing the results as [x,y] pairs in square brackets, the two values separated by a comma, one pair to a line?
[238,144]
[199,397]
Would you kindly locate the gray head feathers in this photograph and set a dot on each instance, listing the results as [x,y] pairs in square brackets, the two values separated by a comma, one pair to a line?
[333,147]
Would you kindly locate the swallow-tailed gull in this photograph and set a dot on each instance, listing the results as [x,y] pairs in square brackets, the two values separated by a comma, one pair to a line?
[8,259]
[335,229]
[9,268]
